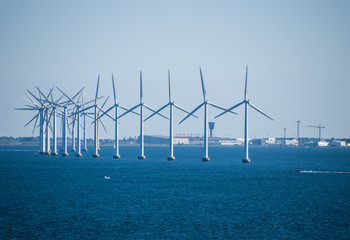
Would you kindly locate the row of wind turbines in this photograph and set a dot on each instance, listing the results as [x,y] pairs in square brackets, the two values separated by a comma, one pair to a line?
[71,109]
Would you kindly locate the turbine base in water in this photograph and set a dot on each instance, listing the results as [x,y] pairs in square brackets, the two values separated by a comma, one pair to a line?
[78,155]
[84,149]
[245,160]
[205,159]
[171,158]
[65,154]
[95,155]
[141,157]
[54,153]
[47,153]
[73,150]
[116,156]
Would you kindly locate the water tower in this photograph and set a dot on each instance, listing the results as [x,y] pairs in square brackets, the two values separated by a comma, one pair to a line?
[211,128]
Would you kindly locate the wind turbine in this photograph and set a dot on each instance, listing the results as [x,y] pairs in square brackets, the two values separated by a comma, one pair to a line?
[141,105]
[65,119]
[96,109]
[171,105]
[205,104]
[76,115]
[246,103]
[116,105]
[40,109]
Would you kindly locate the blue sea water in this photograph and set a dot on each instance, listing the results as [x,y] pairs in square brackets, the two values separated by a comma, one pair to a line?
[44,197]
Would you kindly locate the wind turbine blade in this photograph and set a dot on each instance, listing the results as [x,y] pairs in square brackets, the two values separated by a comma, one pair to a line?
[129,110]
[141,90]
[184,110]
[35,97]
[31,100]
[203,87]
[105,113]
[105,102]
[257,109]
[78,93]
[151,109]
[115,96]
[67,96]
[83,104]
[36,120]
[31,120]
[246,79]
[170,98]
[52,96]
[41,93]
[237,105]
[221,108]
[191,113]
[98,82]
[50,116]
[85,109]
[68,125]
[48,95]
[156,112]
[103,125]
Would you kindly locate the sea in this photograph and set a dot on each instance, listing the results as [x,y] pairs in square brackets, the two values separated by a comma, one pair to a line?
[46,197]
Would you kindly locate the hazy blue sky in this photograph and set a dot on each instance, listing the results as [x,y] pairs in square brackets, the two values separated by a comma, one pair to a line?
[298,55]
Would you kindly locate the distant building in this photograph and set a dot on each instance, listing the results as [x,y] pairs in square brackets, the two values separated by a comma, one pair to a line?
[258,142]
[180,141]
[337,143]
[270,141]
[231,142]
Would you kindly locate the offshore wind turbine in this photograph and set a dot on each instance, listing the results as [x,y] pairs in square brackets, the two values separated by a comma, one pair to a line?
[246,103]
[205,103]
[54,105]
[96,109]
[76,115]
[65,119]
[116,105]
[141,105]
[39,115]
[171,105]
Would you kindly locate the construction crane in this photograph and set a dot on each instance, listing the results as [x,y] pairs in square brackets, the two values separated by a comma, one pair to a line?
[319,130]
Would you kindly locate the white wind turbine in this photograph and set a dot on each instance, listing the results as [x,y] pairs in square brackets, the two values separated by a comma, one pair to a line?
[141,105]
[116,105]
[76,115]
[54,105]
[42,115]
[205,104]
[96,110]
[40,108]
[246,103]
[171,105]
[65,119]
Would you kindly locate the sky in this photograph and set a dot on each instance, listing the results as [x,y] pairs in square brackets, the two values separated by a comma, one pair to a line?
[298,54]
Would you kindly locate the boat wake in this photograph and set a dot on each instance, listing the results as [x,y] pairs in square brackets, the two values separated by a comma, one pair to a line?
[309,171]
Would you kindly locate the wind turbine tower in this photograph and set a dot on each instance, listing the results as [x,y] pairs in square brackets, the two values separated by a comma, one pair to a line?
[205,103]
[116,105]
[141,105]
[246,103]
[171,105]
